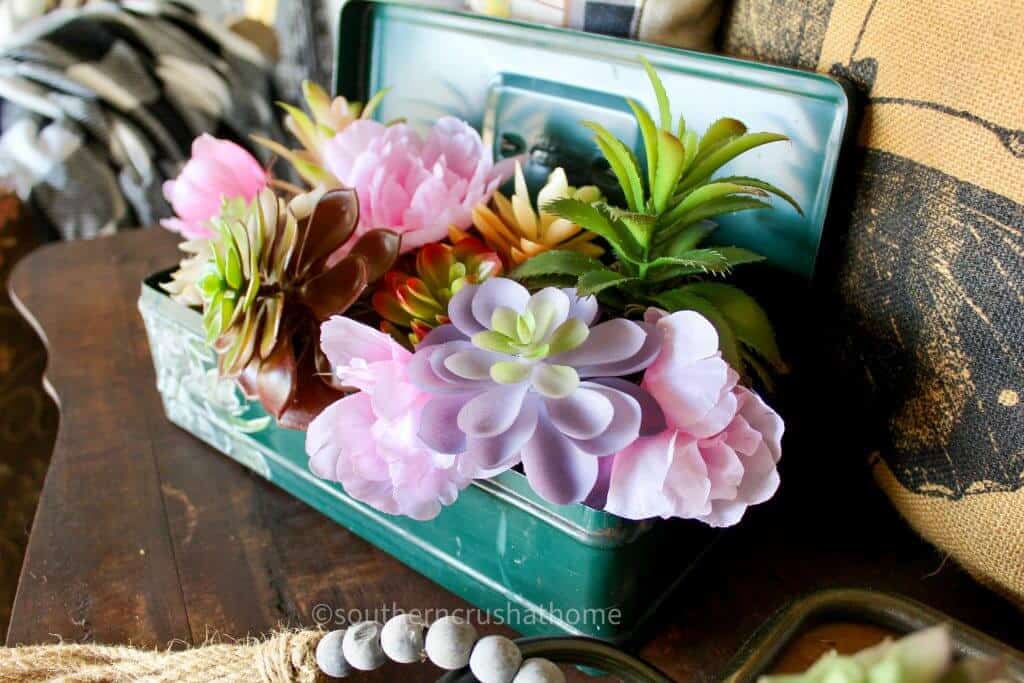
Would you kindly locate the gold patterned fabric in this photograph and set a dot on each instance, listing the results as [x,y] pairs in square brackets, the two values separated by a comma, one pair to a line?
[931,281]
[28,417]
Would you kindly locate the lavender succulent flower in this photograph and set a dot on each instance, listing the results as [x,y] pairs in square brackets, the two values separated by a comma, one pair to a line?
[516,377]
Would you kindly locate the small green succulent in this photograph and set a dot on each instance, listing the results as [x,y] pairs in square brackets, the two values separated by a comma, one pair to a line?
[656,240]
[273,277]
[923,657]
[250,251]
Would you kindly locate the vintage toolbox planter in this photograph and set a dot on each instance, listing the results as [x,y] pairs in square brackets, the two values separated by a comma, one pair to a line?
[542,568]
[539,567]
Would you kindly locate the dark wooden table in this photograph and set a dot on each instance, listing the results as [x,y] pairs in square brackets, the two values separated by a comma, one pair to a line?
[146,535]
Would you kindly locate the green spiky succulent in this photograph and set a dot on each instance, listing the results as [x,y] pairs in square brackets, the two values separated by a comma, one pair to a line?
[656,239]
[251,249]
[275,274]
[926,656]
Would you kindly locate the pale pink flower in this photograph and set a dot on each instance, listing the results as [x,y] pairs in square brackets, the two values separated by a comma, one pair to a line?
[719,453]
[414,186]
[218,170]
[368,441]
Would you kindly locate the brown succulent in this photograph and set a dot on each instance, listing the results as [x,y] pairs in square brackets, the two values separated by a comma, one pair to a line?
[276,276]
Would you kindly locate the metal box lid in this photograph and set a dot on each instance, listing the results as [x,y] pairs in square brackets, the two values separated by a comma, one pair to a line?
[526,87]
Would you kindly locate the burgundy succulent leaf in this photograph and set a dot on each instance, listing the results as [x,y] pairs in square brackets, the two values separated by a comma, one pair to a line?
[298,269]
[333,291]
[333,220]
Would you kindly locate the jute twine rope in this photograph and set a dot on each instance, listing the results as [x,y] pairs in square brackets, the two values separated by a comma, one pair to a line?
[286,656]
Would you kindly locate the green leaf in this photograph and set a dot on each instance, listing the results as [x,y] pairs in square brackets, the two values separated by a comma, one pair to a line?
[763,373]
[510,371]
[233,270]
[659,92]
[693,262]
[762,185]
[568,336]
[493,341]
[301,119]
[317,99]
[707,193]
[714,207]
[557,262]
[691,146]
[309,171]
[720,132]
[623,164]
[684,300]
[372,104]
[738,256]
[554,280]
[210,284]
[671,157]
[210,321]
[599,280]
[703,168]
[596,220]
[686,237]
[649,131]
[240,238]
[640,225]
[217,246]
[745,316]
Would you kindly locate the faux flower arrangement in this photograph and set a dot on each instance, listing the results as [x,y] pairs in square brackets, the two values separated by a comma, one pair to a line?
[428,330]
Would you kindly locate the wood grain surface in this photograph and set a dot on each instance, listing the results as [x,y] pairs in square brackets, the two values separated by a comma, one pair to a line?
[146,535]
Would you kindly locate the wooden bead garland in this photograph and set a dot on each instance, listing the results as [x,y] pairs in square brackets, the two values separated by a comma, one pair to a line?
[495,659]
[361,646]
[402,639]
[450,643]
[538,670]
[329,657]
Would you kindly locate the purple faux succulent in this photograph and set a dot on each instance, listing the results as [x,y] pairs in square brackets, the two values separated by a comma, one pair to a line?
[516,377]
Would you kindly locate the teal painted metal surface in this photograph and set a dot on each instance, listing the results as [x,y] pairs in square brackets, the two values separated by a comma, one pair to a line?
[526,87]
[539,567]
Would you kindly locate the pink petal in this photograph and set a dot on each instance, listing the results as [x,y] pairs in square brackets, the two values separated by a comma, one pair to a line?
[687,486]
[687,393]
[638,474]
[763,419]
[724,469]
[345,341]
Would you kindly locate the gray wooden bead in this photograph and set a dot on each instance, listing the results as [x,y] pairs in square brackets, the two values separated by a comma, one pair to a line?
[329,657]
[538,670]
[361,646]
[449,641]
[495,659]
[402,638]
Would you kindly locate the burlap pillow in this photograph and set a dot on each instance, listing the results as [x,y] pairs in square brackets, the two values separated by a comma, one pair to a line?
[932,281]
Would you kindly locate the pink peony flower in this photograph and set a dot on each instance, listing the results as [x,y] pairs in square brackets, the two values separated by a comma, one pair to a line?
[218,170]
[414,186]
[719,453]
[368,441]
